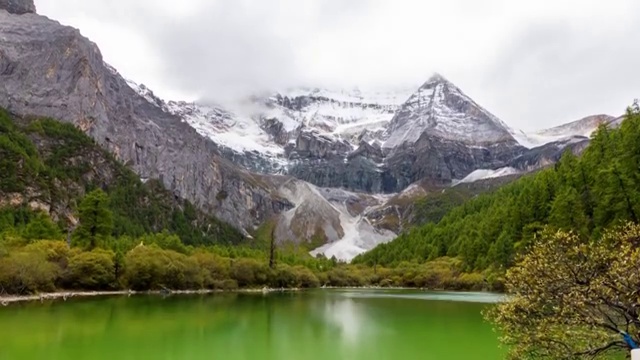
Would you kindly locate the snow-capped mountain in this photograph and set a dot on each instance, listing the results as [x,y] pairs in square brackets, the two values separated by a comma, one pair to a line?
[545,147]
[370,141]
[482,174]
[442,110]
[346,147]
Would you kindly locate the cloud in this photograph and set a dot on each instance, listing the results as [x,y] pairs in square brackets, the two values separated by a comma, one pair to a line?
[532,63]
[553,72]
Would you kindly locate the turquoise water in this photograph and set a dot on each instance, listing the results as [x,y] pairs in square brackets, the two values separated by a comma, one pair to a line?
[320,324]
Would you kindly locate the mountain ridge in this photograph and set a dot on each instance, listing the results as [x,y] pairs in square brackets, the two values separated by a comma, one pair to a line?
[321,135]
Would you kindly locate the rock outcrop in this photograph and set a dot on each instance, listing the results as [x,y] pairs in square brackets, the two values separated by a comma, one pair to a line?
[276,130]
[314,145]
[18,6]
[548,154]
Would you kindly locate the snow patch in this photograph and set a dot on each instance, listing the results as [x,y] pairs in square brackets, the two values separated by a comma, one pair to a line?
[482,174]
[582,128]
[359,237]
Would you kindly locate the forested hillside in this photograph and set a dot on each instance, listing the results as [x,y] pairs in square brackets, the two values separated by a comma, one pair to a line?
[49,166]
[585,195]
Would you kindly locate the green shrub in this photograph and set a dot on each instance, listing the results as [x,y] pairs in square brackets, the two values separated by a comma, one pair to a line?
[57,252]
[27,272]
[94,270]
[249,272]
[213,269]
[151,268]
[180,271]
[283,276]
[473,281]
[343,277]
[226,285]
[305,278]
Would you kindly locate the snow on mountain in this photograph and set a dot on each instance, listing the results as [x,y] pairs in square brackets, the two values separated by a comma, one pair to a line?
[226,128]
[579,128]
[441,109]
[338,113]
[334,115]
[338,215]
[583,127]
[239,133]
[482,174]
[391,118]
[274,132]
[359,237]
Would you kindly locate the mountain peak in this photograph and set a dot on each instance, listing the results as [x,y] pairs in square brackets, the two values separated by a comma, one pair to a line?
[18,6]
[435,79]
[441,110]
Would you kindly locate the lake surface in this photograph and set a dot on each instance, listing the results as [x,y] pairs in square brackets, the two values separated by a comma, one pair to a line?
[319,324]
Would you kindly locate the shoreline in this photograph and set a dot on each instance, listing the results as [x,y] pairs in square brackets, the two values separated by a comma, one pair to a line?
[6,300]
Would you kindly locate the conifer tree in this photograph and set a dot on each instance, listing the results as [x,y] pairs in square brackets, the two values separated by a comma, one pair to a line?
[96,220]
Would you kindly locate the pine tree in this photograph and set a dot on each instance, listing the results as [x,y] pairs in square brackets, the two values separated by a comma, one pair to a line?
[567,212]
[42,228]
[96,220]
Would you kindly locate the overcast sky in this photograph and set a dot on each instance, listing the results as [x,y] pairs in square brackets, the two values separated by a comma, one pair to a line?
[532,63]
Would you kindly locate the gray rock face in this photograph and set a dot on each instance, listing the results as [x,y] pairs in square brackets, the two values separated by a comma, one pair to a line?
[443,160]
[313,145]
[437,160]
[18,6]
[359,173]
[548,154]
[369,151]
[276,130]
[72,83]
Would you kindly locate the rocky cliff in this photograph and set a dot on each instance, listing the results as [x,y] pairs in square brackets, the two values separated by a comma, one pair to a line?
[47,69]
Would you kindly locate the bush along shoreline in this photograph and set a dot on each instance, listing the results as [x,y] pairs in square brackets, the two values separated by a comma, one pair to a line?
[53,269]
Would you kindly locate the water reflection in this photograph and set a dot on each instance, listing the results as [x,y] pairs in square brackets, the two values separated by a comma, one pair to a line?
[475,297]
[348,317]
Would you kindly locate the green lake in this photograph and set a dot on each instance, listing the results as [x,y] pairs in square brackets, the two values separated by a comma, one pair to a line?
[318,324]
